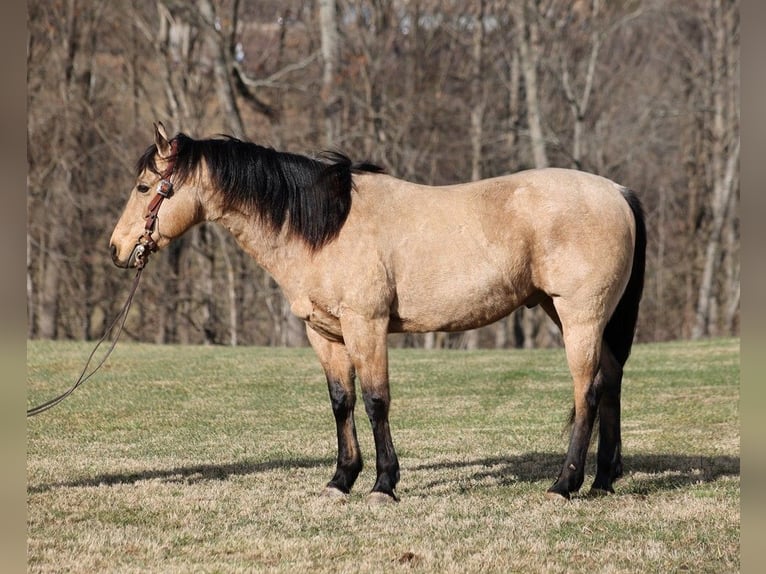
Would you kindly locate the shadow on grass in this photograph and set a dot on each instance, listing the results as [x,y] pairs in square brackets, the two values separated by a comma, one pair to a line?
[186,474]
[643,473]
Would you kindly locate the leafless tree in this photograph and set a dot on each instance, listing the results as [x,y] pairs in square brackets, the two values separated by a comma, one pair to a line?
[438,92]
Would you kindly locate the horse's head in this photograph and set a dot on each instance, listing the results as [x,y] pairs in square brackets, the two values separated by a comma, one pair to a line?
[159,209]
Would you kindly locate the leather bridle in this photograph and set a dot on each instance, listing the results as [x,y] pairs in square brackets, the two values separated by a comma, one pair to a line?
[146,244]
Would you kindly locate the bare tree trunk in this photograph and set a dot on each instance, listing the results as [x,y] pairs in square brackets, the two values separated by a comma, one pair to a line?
[663,108]
[231,286]
[578,104]
[723,164]
[204,282]
[221,69]
[435,340]
[732,284]
[374,45]
[173,51]
[59,197]
[171,308]
[328,28]
[528,34]
[661,245]
[429,340]
[721,200]
[504,327]
[513,84]
[47,325]
[478,103]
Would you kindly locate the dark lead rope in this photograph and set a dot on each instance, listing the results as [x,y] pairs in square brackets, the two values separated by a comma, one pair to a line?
[120,319]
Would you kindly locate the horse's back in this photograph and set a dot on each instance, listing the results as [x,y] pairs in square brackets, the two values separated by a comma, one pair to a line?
[533,213]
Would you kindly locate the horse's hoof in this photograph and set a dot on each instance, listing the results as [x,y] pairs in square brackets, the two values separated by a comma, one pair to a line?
[334,495]
[378,498]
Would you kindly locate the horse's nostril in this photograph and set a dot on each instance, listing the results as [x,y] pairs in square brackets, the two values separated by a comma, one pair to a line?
[113,250]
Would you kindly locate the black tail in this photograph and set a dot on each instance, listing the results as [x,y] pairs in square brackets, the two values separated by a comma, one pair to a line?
[621,327]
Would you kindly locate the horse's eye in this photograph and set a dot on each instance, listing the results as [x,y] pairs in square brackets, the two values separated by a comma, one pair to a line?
[141,188]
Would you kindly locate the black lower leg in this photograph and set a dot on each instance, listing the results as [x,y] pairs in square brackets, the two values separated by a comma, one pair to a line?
[349,463]
[609,459]
[573,473]
[386,462]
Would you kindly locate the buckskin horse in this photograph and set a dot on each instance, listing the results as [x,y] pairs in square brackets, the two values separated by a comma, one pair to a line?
[360,254]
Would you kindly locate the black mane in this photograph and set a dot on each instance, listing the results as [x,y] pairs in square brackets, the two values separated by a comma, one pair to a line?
[312,195]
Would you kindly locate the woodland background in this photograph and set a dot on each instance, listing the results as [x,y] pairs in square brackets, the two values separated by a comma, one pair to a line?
[645,92]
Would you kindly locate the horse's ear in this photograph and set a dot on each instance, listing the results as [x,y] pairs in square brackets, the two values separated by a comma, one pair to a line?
[161,140]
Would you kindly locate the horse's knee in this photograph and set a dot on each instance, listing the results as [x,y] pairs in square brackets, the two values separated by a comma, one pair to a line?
[376,404]
[342,398]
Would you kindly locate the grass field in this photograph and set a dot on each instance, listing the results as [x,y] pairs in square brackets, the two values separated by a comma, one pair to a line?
[199,459]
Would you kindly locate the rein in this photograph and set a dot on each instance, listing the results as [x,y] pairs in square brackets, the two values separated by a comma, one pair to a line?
[141,251]
[120,319]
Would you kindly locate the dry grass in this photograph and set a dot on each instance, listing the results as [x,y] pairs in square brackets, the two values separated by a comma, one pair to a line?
[190,459]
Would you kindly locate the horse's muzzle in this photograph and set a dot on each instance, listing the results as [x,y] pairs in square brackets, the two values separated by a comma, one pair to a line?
[115,257]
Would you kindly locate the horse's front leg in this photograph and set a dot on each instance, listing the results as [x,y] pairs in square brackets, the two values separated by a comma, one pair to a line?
[339,371]
[366,341]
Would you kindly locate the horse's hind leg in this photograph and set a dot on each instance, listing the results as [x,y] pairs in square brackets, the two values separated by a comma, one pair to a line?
[606,393]
[609,459]
[582,340]
[339,371]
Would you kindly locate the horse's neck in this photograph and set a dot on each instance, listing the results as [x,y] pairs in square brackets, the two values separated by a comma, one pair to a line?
[276,252]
